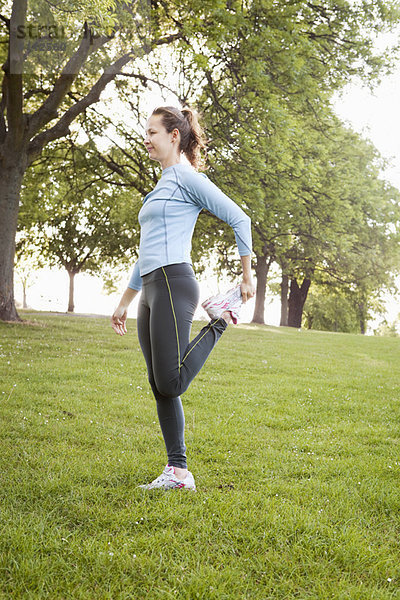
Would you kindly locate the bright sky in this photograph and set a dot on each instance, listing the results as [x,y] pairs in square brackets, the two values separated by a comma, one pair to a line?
[375,115]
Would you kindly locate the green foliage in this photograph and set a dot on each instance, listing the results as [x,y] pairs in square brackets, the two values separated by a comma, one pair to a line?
[309,185]
[388,329]
[74,214]
[346,219]
[328,310]
[110,281]
[51,34]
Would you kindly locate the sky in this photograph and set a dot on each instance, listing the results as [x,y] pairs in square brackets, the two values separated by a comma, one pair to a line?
[374,114]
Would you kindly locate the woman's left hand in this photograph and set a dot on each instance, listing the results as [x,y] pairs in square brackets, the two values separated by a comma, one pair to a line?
[248,290]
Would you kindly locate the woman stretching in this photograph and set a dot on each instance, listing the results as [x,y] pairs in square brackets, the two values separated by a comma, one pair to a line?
[164,273]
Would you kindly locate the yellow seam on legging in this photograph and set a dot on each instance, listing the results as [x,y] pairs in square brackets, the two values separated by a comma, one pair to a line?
[209,327]
[176,325]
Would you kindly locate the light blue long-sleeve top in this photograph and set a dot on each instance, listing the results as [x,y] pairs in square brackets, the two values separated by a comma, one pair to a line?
[169,214]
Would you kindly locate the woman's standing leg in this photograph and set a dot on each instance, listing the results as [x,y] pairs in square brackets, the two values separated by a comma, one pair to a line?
[169,410]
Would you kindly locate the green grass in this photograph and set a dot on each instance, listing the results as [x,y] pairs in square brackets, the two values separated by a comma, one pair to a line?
[293,438]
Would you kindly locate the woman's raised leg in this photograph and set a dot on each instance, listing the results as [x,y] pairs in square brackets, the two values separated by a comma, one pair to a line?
[175,360]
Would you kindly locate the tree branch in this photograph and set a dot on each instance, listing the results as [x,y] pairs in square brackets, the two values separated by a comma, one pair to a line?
[6,21]
[144,79]
[48,110]
[61,128]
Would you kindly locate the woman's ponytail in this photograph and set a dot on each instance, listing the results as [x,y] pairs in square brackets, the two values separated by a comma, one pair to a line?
[196,142]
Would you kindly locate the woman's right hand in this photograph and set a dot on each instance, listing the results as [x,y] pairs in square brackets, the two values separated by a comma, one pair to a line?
[118,320]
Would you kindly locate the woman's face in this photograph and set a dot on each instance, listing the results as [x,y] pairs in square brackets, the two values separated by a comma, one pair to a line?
[159,143]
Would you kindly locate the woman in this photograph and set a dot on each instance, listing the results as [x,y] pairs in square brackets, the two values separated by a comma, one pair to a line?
[164,273]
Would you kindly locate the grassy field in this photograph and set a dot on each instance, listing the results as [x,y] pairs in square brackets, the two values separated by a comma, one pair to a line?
[293,438]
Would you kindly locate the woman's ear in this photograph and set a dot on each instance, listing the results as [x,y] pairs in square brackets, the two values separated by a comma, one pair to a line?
[175,134]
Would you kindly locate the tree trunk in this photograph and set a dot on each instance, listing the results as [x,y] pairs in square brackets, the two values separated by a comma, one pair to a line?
[24,303]
[362,317]
[284,300]
[10,189]
[71,305]
[309,321]
[261,267]
[297,298]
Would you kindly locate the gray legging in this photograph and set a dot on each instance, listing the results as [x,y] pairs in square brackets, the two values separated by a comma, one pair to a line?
[168,301]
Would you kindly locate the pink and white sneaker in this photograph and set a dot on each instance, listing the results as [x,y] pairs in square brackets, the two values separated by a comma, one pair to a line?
[230,301]
[169,481]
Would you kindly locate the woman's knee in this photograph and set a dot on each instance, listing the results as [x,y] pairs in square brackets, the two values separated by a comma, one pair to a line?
[171,388]
[163,390]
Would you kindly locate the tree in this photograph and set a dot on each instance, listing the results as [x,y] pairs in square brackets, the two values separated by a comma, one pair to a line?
[261,70]
[25,270]
[327,308]
[388,329]
[85,222]
[265,85]
[36,109]
[288,60]
[346,227]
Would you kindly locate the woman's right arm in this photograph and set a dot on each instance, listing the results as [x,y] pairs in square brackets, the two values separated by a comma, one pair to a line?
[118,319]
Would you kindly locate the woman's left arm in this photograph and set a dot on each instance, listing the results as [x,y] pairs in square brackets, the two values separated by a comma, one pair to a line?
[247,287]
[207,195]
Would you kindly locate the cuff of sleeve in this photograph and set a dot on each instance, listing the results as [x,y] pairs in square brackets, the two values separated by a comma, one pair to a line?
[133,287]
